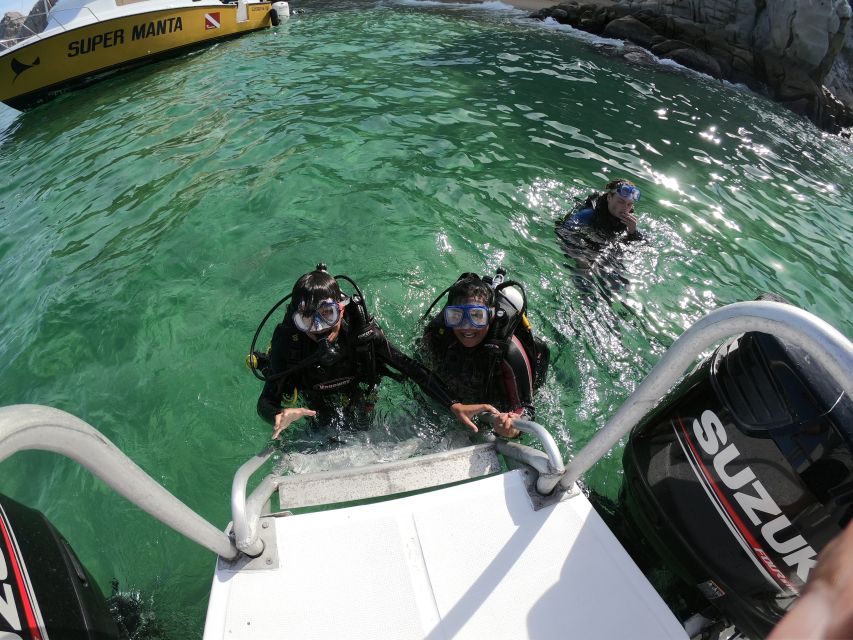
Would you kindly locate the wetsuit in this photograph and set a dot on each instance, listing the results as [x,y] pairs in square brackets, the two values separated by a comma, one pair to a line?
[495,371]
[346,383]
[599,217]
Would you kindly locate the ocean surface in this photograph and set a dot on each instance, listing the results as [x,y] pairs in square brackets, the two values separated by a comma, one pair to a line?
[148,222]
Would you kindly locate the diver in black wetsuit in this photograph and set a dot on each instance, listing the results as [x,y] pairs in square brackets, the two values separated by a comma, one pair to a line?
[611,212]
[482,346]
[332,353]
[587,237]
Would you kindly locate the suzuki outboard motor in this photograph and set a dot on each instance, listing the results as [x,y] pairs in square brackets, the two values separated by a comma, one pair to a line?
[45,593]
[742,475]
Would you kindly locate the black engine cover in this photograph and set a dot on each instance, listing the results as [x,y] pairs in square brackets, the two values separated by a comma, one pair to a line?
[742,475]
[45,593]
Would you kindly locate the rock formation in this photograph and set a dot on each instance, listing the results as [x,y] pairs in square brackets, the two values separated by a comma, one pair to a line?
[37,19]
[785,49]
[15,25]
[10,25]
[839,80]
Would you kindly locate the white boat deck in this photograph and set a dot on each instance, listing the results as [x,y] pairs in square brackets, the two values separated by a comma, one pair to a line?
[470,561]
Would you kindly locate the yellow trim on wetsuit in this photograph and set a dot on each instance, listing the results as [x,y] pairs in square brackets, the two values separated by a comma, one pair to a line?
[293,398]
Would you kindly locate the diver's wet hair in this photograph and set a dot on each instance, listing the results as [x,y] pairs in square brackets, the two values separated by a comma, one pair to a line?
[618,182]
[470,285]
[312,288]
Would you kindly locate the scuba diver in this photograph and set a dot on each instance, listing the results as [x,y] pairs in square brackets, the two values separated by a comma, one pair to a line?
[587,232]
[481,343]
[331,351]
[611,212]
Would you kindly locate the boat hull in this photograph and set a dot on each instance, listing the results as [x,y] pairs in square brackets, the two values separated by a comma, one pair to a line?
[50,64]
[470,561]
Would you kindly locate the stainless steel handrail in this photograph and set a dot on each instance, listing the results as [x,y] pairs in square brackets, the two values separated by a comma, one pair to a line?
[538,431]
[246,514]
[30,426]
[549,466]
[547,440]
[822,341]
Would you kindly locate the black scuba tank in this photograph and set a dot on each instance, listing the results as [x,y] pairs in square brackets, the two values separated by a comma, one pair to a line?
[45,592]
[742,476]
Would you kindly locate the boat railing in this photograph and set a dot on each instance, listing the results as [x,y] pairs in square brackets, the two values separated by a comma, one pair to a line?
[246,513]
[413,474]
[549,466]
[33,427]
[823,342]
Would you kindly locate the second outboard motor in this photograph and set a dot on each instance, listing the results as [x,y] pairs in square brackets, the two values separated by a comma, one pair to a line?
[279,12]
[743,475]
[44,590]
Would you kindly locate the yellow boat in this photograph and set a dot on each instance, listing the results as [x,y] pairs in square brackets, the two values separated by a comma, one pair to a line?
[82,40]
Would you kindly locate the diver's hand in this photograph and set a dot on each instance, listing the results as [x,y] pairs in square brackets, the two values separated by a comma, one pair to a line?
[464,413]
[505,428]
[825,610]
[629,220]
[284,417]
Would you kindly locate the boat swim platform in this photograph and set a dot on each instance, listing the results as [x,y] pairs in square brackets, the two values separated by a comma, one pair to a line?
[470,561]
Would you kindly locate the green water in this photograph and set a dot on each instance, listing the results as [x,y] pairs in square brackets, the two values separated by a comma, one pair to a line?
[148,222]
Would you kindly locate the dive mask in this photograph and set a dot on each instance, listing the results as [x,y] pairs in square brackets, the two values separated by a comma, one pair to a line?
[627,191]
[477,315]
[324,317]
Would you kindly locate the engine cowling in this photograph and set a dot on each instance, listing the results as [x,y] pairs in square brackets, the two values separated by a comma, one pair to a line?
[742,476]
[45,592]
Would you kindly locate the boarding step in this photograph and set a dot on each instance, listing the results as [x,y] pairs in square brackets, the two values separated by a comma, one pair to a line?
[389,478]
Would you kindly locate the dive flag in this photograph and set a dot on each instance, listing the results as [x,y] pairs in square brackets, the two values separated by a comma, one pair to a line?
[211,21]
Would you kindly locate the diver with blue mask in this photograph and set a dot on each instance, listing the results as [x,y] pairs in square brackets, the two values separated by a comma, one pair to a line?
[611,212]
[482,345]
[330,352]
[596,234]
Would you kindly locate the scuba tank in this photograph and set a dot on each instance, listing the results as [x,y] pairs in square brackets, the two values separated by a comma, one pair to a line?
[511,300]
[742,476]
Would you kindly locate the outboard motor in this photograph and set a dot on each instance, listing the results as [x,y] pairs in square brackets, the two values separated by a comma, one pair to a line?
[279,12]
[44,590]
[743,475]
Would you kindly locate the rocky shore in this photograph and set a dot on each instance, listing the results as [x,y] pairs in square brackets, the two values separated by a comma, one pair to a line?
[16,25]
[797,52]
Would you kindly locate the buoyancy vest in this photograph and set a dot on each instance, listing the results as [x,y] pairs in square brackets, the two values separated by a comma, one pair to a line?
[594,212]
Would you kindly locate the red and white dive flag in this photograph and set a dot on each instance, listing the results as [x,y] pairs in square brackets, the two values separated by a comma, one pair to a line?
[211,21]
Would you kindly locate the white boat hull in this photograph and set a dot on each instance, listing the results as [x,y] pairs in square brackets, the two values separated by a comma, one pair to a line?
[470,561]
